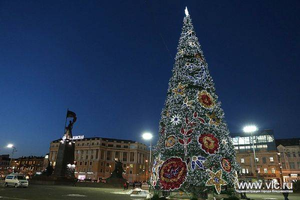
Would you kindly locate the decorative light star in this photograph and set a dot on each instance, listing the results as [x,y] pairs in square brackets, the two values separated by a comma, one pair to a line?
[175,120]
[224,142]
[179,90]
[215,180]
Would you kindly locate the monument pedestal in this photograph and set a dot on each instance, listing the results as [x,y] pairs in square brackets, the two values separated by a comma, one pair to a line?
[65,159]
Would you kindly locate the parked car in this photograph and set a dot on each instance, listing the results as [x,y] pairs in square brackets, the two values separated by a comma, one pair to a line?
[16,180]
[139,193]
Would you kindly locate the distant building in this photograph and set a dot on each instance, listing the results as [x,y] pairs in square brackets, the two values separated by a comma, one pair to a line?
[266,154]
[95,158]
[4,165]
[289,151]
[29,166]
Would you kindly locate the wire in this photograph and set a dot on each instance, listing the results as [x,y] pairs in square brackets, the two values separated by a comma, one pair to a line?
[155,28]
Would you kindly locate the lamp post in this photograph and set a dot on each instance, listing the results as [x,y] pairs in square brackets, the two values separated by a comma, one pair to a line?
[14,149]
[148,136]
[251,129]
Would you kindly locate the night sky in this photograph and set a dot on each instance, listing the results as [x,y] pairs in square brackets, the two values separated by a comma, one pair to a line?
[111,63]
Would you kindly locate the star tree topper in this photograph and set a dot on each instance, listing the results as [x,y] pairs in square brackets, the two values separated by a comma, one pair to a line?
[215,180]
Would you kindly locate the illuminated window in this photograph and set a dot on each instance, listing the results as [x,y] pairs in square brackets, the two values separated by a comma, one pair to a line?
[235,141]
[258,170]
[242,160]
[273,170]
[270,138]
[243,171]
[271,159]
[265,170]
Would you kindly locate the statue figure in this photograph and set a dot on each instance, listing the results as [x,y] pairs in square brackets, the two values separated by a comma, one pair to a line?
[68,130]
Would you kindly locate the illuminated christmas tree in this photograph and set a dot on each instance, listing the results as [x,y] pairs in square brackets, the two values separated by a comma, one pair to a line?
[194,152]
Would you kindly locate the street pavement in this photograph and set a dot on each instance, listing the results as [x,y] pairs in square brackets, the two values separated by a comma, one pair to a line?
[46,192]
[49,192]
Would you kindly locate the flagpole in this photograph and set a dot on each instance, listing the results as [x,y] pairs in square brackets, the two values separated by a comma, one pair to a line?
[66,120]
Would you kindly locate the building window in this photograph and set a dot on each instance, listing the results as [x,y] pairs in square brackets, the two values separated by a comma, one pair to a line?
[107,164]
[131,156]
[85,163]
[91,163]
[242,160]
[273,170]
[103,144]
[125,146]
[110,145]
[102,155]
[258,170]
[265,170]
[271,159]
[243,171]
[125,156]
[80,163]
[292,165]
[117,155]
[108,156]
[257,160]
[264,160]
[118,146]
[283,165]
[288,154]
[298,165]
[294,154]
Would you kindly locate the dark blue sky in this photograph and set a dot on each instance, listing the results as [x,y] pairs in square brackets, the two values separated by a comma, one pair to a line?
[108,63]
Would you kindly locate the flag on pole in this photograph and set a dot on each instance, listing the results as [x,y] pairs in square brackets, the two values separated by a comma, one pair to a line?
[71,114]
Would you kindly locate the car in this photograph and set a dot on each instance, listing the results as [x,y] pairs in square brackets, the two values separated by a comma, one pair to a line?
[139,193]
[16,180]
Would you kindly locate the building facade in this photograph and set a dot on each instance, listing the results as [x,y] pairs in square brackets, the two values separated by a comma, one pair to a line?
[289,155]
[4,165]
[95,158]
[267,161]
[29,165]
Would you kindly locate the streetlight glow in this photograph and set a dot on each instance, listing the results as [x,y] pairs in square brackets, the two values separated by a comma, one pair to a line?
[147,136]
[250,129]
[10,146]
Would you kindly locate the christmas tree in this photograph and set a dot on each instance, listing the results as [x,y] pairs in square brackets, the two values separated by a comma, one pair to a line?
[194,152]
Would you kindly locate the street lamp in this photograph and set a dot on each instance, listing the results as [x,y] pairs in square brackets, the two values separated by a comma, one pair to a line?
[11,146]
[251,129]
[148,136]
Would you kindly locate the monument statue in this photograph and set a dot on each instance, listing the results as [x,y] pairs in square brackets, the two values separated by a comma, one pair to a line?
[68,129]
[116,177]
[65,154]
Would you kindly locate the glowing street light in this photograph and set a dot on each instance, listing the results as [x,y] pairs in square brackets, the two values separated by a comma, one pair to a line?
[14,149]
[251,129]
[148,136]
